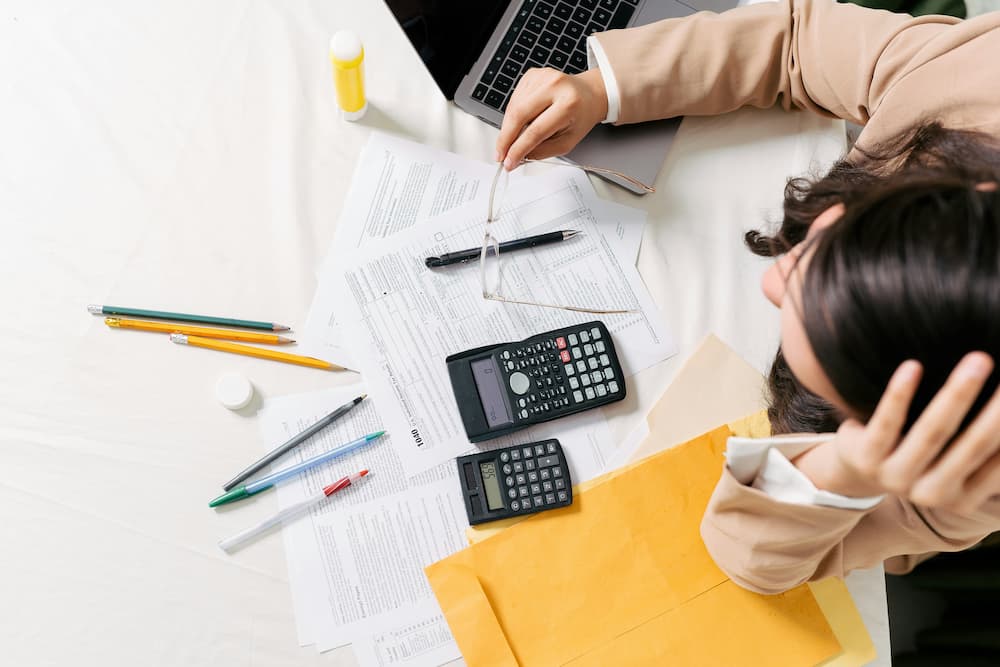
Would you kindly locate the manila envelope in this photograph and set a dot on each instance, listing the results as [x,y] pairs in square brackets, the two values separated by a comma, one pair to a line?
[680,631]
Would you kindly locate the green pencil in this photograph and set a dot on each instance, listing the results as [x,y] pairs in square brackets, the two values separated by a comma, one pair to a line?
[184,317]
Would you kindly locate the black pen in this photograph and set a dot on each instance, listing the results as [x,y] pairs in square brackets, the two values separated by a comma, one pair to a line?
[463,256]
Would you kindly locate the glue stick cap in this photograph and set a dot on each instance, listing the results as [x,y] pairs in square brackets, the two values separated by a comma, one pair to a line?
[347,56]
[234,391]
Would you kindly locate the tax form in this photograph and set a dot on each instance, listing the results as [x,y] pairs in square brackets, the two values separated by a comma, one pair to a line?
[396,185]
[355,563]
[399,184]
[402,319]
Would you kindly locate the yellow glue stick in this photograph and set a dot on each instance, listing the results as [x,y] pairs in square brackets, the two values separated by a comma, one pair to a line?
[348,59]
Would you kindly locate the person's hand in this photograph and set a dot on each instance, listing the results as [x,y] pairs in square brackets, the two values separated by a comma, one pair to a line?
[549,113]
[930,465]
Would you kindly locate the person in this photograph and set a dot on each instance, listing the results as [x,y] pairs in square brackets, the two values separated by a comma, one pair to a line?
[887,277]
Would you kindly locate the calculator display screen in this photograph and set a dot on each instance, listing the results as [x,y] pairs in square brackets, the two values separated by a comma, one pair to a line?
[491,392]
[491,484]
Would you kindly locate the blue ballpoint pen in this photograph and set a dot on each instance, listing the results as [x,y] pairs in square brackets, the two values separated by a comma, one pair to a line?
[250,488]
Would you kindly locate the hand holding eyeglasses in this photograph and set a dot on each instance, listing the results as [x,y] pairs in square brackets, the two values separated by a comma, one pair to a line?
[549,113]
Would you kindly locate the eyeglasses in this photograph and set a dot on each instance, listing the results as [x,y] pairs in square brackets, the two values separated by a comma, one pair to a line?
[490,270]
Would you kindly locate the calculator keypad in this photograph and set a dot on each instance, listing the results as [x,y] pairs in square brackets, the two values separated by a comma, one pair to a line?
[565,372]
[542,486]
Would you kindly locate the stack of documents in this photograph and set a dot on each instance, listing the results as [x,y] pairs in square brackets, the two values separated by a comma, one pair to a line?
[381,311]
[406,195]
[356,563]
[356,567]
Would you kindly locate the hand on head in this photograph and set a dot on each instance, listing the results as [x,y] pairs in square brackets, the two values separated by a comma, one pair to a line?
[933,464]
[549,113]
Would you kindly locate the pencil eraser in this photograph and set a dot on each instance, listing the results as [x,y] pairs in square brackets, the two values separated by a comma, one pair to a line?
[234,391]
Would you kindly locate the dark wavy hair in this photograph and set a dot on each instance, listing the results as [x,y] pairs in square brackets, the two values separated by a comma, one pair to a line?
[910,271]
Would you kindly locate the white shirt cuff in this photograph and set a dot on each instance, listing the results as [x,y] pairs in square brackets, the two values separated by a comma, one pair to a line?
[597,58]
[765,462]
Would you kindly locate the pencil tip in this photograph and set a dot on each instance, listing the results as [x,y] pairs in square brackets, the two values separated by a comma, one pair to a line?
[360,398]
[280,327]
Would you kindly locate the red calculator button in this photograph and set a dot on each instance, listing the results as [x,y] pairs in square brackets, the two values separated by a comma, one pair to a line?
[561,343]
[564,355]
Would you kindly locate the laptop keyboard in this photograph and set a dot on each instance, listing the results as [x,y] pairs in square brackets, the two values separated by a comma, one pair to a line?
[547,33]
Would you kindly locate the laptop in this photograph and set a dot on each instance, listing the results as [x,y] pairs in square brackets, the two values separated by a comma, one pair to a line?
[477,50]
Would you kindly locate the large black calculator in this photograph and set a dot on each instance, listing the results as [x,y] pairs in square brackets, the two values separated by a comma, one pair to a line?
[523,479]
[504,388]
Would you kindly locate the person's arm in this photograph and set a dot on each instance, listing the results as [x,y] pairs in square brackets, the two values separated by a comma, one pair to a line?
[824,56]
[769,546]
[831,58]
[943,490]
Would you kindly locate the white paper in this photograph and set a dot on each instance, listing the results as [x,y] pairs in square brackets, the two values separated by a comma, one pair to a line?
[415,636]
[622,226]
[404,319]
[398,184]
[338,570]
[355,563]
[628,447]
[867,587]
[323,336]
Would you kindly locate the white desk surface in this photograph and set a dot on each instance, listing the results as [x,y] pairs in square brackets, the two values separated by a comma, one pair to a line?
[188,156]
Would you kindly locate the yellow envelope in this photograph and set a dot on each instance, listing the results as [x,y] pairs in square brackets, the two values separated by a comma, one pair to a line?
[715,385]
[622,577]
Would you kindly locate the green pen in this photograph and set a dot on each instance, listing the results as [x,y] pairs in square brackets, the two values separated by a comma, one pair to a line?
[251,488]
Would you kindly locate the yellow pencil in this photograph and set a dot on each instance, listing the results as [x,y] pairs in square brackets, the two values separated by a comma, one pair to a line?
[259,352]
[206,332]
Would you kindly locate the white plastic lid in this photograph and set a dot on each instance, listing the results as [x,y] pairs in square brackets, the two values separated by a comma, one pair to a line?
[345,45]
[234,391]
[355,115]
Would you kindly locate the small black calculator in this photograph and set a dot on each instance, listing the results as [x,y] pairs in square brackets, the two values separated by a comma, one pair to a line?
[504,388]
[523,479]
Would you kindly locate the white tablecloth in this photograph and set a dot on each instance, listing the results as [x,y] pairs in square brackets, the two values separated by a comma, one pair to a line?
[188,156]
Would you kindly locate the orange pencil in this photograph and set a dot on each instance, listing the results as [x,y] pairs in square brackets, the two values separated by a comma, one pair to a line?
[259,352]
[205,332]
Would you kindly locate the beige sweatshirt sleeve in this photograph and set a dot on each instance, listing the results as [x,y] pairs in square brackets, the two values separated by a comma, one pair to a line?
[830,58]
[769,546]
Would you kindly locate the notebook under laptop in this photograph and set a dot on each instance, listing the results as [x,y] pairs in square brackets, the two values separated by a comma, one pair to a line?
[477,50]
